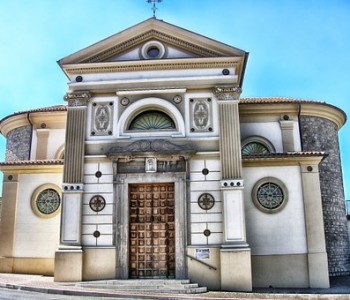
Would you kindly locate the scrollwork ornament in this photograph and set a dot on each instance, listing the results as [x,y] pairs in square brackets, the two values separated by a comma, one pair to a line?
[79,98]
[228,93]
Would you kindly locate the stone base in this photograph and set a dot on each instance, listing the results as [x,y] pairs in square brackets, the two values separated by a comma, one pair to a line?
[6,265]
[236,269]
[68,265]
[99,263]
[318,270]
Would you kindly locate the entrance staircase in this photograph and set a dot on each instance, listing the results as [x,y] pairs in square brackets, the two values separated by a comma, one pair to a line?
[173,286]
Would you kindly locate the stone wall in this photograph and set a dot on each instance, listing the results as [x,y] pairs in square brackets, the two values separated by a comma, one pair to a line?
[319,134]
[18,144]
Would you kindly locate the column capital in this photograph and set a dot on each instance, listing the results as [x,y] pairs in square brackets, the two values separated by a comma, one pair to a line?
[77,98]
[228,93]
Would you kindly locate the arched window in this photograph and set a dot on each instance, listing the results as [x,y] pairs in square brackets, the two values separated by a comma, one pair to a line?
[152,120]
[256,145]
[254,148]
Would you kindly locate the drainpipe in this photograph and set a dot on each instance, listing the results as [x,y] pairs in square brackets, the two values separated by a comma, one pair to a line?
[31,135]
[300,133]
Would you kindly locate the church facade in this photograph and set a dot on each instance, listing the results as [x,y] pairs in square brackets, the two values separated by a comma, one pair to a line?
[157,168]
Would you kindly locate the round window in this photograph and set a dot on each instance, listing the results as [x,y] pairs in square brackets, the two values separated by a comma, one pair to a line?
[269,195]
[153,50]
[46,201]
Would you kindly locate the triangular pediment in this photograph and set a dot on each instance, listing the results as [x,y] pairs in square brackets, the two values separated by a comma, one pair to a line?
[129,45]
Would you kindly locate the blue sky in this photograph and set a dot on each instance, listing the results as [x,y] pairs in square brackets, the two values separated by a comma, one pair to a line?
[298,48]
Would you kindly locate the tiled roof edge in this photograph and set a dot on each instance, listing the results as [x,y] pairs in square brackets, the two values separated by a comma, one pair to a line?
[32,162]
[53,108]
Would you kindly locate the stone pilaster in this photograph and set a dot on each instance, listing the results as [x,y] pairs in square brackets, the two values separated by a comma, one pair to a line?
[8,222]
[317,255]
[70,257]
[230,137]
[287,129]
[235,254]
[42,143]
[75,136]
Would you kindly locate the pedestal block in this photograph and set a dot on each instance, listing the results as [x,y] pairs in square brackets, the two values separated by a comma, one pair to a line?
[68,265]
[236,269]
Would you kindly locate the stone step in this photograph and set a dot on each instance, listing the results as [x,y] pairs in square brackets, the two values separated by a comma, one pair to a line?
[148,285]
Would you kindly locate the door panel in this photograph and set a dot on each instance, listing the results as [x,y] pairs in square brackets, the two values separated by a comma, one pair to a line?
[152,230]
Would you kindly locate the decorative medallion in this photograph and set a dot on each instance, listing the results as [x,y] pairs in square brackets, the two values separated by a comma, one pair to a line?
[124,101]
[102,119]
[201,114]
[205,171]
[96,234]
[152,120]
[48,201]
[97,203]
[207,232]
[177,99]
[206,201]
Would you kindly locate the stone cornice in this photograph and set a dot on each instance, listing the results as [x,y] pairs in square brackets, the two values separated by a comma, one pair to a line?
[254,107]
[152,65]
[142,38]
[283,159]
[151,29]
[144,148]
[53,119]
[32,167]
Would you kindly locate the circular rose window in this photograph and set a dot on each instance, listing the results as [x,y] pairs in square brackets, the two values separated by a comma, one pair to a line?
[46,201]
[269,195]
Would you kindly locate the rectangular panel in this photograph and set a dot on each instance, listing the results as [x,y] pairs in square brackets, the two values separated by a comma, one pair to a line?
[233,208]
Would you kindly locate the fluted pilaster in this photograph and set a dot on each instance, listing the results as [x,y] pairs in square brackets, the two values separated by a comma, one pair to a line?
[230,139]
[75,136]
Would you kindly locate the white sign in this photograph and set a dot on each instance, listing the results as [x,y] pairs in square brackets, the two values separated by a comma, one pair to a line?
[202,253]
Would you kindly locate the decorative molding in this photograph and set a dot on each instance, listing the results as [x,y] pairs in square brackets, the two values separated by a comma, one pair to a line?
[201,114]
[227,93]
[149,66]
[151,34]
[78,98]
[144,147]
[102,119]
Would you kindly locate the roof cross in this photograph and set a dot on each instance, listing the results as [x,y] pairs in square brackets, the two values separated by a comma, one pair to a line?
[154,8]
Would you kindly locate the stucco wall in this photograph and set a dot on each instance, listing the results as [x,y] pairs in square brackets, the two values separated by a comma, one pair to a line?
[282,232]
[268,130]
[319,134]
[35,237]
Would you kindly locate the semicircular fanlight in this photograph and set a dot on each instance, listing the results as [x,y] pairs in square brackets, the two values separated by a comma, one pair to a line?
[152,120]
[254,148]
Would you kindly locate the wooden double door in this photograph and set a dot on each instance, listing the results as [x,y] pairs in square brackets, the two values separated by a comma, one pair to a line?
[152,230]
